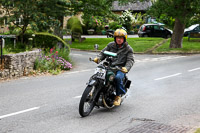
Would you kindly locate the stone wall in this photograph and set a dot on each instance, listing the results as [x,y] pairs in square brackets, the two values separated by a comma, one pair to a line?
[18,65]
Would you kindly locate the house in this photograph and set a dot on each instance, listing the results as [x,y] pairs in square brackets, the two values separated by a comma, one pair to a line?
[132,7]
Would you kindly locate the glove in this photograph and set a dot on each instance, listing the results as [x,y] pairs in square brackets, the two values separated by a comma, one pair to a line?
[124,70]
[96,60]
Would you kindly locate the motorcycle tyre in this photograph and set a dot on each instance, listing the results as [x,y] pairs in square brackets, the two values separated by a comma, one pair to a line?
[82,102]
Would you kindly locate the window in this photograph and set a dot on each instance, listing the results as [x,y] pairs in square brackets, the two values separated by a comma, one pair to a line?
[156,27]
[18,21]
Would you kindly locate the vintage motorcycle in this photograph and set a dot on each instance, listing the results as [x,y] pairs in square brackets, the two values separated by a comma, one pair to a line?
[101,88]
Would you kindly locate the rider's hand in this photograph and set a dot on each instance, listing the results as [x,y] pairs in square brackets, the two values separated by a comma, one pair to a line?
[96,60]
[124,70]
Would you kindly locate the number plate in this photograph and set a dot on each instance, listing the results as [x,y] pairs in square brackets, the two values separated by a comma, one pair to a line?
[101,73]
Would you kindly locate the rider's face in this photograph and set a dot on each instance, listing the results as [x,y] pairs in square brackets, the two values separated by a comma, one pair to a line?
[119,40]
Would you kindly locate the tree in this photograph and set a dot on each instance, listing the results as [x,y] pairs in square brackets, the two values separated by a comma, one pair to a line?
[182,11]
[41,15]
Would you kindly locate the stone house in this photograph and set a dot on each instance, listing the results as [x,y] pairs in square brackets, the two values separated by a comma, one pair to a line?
[133,7]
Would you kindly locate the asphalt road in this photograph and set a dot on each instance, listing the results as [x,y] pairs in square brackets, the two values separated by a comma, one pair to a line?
[164,97]
[99,36]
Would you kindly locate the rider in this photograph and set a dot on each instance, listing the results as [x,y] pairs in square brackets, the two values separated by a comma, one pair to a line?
[125,59]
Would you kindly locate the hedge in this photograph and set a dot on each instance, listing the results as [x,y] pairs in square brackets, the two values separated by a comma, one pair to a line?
[74,25]
[47,40]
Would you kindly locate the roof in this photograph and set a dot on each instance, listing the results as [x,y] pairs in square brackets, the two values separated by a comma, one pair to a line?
[137,6]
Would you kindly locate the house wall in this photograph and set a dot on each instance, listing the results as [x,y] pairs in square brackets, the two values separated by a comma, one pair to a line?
[3,27]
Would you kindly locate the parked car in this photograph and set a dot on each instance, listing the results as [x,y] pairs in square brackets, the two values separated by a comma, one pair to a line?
[192,28]
[154,30]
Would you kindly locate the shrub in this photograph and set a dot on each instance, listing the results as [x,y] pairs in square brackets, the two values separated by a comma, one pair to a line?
[52,62]
[114,25]
[74,25]
[126,20]
[46,40]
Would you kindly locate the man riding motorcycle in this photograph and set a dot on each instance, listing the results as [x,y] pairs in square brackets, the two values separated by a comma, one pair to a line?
[125,60]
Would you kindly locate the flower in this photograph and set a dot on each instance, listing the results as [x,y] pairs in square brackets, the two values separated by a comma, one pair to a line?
[51,50]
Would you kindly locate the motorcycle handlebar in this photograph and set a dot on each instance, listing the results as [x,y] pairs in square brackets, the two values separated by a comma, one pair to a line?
[90,59]
[115,67]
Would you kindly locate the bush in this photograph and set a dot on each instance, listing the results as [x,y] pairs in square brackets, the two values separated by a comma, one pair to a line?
[74,25]
[53,61]
[114,25]
[126,20]
[46,40]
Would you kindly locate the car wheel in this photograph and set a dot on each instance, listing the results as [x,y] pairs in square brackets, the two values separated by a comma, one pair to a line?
[168,36]
[145,35]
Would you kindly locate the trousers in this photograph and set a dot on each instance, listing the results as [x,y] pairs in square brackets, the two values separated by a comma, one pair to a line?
[119,83]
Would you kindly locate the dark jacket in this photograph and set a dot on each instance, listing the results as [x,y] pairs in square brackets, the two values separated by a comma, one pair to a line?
[125,57]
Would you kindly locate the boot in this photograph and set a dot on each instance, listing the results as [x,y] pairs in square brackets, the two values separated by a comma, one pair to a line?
[117,101]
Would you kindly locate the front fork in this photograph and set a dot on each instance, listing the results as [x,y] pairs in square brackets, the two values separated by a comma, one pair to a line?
[95,93]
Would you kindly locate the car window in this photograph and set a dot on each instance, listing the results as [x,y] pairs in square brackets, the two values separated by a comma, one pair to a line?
[162,28]
[156,27]
[149,27]
[197,28]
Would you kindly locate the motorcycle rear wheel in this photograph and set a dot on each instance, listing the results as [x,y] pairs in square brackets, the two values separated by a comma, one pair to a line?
[87,102]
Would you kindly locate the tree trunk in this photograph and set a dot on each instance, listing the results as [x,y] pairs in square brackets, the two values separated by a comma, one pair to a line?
[177,37]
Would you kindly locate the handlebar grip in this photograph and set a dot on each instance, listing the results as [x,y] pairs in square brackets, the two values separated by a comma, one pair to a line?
[90,59]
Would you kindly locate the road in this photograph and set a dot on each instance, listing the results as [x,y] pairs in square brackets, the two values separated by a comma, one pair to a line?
[99,36]
[164,97]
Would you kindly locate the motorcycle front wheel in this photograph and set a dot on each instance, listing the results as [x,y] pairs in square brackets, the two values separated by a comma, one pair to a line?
[87,102]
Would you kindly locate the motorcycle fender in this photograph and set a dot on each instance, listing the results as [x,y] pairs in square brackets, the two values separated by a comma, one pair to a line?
[92,82]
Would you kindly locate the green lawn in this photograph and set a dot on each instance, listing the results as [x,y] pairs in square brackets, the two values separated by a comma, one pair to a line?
[191,46]
[138,44]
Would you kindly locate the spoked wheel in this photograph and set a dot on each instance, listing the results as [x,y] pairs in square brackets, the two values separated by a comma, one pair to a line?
[87,102]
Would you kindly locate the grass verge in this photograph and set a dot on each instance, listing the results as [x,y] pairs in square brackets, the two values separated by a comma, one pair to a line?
[139,45]
[192,46]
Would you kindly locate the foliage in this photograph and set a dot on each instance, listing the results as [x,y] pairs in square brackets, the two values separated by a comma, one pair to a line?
[41,15]
[74,25]
[11,49]
[138,18]
[181,11]
[114,25]
[46,40]
[126,20]
[52,61]
[46,15]
[95,22]
[93,7]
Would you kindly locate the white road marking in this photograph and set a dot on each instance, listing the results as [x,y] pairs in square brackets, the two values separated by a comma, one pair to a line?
[168,76]
[159,59]
[19,112]
[78,96]
[86,70]
[77,54]
[194,69]
[93,54]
